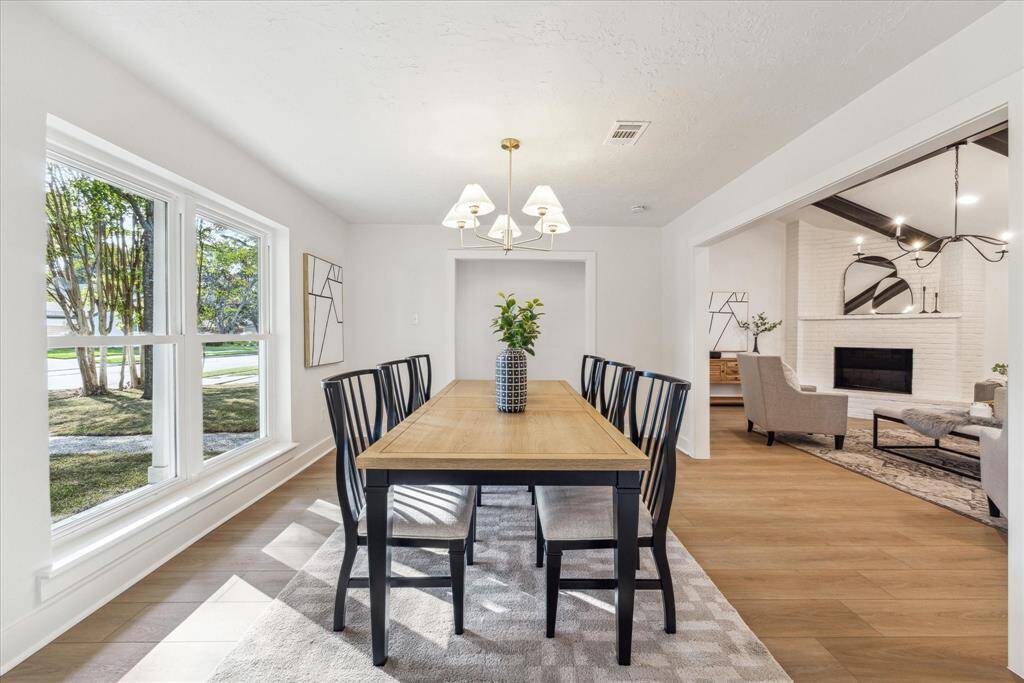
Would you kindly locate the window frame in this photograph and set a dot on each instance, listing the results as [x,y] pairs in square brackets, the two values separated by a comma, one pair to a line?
[262,335]
[184,201]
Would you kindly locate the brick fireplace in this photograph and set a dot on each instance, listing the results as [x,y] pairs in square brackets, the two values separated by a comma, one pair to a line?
[946,348]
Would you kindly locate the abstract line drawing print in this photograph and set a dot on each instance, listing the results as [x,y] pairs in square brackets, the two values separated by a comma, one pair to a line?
[323,311]
[725,312]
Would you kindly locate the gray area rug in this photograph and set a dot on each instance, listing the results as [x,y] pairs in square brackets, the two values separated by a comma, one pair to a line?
[504,620]
[954,492]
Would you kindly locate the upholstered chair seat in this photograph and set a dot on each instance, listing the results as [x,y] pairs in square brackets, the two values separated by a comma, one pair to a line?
[573,513]
[438,511]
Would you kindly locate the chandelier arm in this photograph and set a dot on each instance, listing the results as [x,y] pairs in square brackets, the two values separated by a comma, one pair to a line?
[484,246]
[917,261]
[899,243]
[477,234]
[988,240]
[529,248]
[527,241]
[967,238]
[487,238]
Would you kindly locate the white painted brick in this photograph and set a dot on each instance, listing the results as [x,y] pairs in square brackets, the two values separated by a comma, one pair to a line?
[948,351]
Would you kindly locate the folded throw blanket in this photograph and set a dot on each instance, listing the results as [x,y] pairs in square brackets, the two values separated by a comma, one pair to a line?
[939,423]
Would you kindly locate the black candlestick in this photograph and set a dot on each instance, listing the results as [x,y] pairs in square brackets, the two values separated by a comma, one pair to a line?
[924,299]
[936,303]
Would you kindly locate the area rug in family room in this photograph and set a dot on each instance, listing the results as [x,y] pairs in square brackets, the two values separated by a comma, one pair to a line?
[504,627]
[952,491]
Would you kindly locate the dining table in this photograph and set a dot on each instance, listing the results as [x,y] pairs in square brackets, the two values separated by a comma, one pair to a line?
[459,437]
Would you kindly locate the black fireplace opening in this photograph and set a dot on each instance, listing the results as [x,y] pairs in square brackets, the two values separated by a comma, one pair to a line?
[890,370]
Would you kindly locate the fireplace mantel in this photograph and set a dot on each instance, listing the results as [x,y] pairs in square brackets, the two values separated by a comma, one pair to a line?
[882,316]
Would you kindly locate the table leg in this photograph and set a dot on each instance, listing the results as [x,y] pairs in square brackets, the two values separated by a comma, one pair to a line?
[378,530]
[626,508]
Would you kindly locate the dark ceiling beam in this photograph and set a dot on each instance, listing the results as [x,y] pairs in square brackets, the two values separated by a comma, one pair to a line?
[998,142]
[872,220]
[994,132]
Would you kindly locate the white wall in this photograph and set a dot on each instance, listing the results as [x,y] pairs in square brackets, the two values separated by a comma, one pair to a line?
[46,70]
[755,261]
[558,284]
[394,272]
[973,74]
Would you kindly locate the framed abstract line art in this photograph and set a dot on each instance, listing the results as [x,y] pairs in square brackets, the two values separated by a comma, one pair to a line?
[725,312]
[323,316]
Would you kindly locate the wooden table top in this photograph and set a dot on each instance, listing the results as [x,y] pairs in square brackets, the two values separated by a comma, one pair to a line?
[460,429]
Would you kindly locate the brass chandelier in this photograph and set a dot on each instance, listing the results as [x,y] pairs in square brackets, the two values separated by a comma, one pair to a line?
[940,243]
[504,233]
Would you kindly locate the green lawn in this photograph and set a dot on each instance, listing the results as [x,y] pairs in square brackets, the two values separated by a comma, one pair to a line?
[79,482]
[114,353]
[225,409]
[224,372]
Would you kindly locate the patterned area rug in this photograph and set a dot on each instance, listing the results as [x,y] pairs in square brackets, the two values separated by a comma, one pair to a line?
[952,491]
[504,627]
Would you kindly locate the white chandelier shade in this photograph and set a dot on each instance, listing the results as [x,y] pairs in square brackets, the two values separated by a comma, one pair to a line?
[553,223]
[459,218]
[498,229]
[474,197]
[542,201]
[504,234]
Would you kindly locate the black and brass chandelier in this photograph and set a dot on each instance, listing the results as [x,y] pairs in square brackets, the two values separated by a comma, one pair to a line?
[504,234]
[980,243]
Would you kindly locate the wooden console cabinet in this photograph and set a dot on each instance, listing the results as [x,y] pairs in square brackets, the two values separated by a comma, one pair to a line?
[725,371]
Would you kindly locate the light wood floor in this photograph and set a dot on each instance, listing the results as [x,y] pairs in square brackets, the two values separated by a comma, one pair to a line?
[843,578]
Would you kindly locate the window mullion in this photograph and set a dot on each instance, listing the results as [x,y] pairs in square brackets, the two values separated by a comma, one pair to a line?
[191,352]
[79,340]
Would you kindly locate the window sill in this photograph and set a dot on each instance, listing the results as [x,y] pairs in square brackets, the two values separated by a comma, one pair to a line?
[79,555]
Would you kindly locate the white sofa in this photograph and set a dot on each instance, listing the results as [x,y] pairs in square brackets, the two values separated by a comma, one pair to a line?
[994,467]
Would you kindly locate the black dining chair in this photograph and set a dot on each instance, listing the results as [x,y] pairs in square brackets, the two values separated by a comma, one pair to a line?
[579,517]
[400,389]
[611,383]
[424,380]
[436,516]
[588,371]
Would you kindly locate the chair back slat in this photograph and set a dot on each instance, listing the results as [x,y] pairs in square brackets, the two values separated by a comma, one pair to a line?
[356,423]
[614,379]
[588,376]
[424,380]
[401,390]
[656,406]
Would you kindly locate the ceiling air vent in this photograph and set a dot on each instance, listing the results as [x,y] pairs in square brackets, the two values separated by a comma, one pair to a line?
[626,132]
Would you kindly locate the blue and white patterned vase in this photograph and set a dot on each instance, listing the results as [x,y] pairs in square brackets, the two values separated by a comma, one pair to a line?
[510,381]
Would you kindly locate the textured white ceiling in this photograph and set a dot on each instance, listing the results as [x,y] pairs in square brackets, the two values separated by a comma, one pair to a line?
[384,111]
[923,193]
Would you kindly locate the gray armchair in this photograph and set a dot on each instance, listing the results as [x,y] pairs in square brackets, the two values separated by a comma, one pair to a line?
[775,400]
[994,467]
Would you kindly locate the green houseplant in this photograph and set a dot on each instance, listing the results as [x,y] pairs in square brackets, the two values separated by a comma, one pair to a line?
[758,325]
[518,325]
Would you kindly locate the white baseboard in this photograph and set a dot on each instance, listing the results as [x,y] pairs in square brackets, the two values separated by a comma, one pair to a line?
[52,618]
[684,447]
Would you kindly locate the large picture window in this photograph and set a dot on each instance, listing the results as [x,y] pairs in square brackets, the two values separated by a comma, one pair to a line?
[129,357]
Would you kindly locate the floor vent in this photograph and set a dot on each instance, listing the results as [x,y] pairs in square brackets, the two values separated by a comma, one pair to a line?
[626,132]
